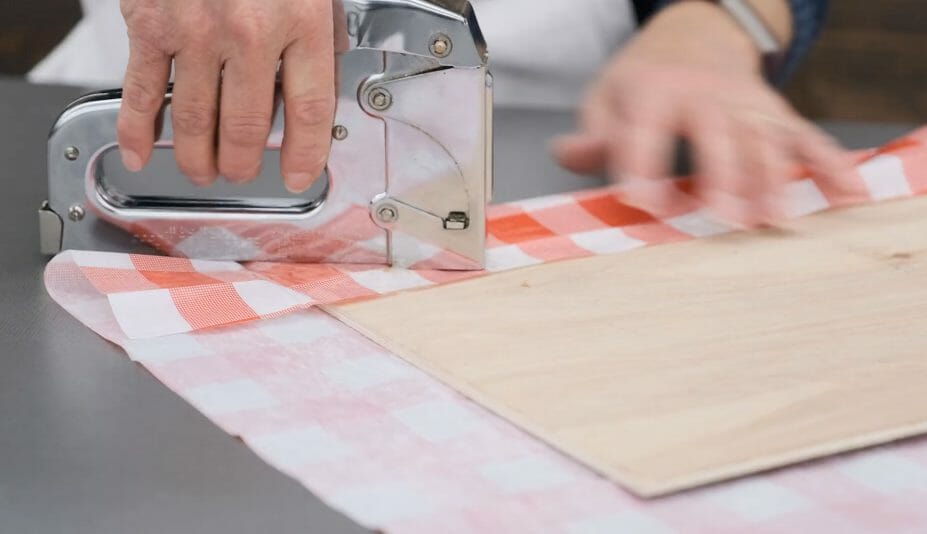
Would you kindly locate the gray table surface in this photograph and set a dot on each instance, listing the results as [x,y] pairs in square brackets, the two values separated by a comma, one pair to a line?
[90,442]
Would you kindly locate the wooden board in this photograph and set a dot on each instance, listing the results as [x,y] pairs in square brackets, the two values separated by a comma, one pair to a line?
[679,365]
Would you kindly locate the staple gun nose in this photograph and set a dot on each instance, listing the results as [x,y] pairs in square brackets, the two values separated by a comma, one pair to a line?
[407,184]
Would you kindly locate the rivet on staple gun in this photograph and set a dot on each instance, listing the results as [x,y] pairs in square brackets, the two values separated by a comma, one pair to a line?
[408,180]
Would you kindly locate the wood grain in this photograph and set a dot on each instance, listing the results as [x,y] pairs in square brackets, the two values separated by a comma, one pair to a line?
[679,365]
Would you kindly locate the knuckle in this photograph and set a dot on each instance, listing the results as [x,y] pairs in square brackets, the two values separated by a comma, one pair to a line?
[199,27]
[141,97]
[126,132]
[311,159]
[311,111]
[199,42]
[243,129]
[309,15]
[313,11]
[135,10]
[250,24]
[194,119]
[147,23]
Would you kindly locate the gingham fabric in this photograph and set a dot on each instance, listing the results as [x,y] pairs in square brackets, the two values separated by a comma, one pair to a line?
[154,296]
[396,450]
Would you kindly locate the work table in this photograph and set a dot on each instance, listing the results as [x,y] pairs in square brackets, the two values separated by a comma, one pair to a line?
[89,442]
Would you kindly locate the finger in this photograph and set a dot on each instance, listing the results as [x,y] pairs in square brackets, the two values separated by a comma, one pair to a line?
[586,151]
[246,110]
[750,143]
[580,153]
[309,107]
[342,36]
[640,147]
[822,153]
[145,85]
[775,161]
[816,149]
[597,114]
[719,165]
[194,113]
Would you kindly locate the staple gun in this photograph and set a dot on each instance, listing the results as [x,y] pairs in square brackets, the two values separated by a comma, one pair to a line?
[407,183]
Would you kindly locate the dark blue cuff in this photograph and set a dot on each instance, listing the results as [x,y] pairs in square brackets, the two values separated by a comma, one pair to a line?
[808,17]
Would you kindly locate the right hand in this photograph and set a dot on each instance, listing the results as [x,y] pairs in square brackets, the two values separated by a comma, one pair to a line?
[225,54]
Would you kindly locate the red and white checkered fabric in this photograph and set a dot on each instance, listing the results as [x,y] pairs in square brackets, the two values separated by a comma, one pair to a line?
[156,296]
[395,449]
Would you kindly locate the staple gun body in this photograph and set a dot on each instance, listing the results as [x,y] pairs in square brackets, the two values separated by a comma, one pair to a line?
[408,179]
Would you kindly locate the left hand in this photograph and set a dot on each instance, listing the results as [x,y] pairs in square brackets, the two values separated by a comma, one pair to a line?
[693,73]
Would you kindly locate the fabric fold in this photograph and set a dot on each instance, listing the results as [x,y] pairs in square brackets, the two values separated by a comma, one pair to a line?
[153,296]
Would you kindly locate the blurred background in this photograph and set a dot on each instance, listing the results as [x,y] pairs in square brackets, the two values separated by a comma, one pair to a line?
[869,64]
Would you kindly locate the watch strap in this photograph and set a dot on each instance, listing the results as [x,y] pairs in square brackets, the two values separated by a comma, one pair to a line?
[772,50]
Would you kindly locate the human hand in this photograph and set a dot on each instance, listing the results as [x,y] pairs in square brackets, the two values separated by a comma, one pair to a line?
[693,73]
[225,54]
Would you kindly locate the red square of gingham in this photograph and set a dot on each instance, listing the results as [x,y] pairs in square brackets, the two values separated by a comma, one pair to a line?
[154,296]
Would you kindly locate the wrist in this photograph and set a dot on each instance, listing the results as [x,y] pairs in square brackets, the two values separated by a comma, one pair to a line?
[701,31]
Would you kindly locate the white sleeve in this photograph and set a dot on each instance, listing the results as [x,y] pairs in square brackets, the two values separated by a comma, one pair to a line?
[544,52]
[541,53]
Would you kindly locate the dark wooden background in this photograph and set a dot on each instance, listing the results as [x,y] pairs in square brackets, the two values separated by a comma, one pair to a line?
[870,64]
[29,29]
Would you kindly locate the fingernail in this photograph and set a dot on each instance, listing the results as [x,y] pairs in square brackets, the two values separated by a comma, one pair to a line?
[131,160]
[297,183]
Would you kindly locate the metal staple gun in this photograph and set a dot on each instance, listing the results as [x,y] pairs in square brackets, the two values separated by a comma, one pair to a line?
[407,183]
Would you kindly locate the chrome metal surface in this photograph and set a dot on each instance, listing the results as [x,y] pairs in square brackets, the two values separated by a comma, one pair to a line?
[416,97]
[456,220]
[50,229]
[387,214]
[380,99]
[76,213]
[441,45]
[339,133]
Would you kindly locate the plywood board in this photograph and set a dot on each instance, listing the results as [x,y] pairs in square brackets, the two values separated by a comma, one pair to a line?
[679,365]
